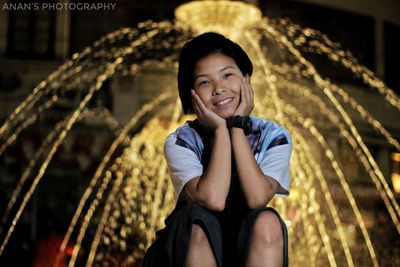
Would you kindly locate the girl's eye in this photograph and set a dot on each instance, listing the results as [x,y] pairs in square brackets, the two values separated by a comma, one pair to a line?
[203,83]
[227,75]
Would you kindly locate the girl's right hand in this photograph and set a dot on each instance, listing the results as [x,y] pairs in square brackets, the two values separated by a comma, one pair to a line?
[206,116]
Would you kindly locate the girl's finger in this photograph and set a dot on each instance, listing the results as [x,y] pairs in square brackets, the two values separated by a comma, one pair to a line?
[249,85]
[249,88]
[196,109]
[199,103]
[251,93]
[245,91]
[195,105]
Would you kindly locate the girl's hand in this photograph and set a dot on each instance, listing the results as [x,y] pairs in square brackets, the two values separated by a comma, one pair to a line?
[206,116]
[246,104]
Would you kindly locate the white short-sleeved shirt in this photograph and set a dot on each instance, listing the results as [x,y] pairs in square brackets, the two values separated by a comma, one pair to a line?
[270,143]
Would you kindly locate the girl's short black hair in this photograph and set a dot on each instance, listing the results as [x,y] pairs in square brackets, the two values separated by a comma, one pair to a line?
[200,47]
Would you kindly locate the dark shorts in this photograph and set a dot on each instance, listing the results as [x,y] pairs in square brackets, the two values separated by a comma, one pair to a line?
[228,234]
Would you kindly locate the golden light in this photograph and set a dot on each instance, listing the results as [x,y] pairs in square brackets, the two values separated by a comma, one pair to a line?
[396,157]
[395,176]
[227,17]
[396,182]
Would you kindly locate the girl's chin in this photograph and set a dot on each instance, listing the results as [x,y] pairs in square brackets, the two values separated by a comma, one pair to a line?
[225,115]
[227,110]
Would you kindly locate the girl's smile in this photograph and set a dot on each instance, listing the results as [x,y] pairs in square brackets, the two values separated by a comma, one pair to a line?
[224,101]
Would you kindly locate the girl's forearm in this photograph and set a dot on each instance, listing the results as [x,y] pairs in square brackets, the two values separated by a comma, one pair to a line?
[211,189]
[258,189]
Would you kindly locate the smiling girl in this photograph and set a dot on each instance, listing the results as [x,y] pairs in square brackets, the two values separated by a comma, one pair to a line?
[225,166]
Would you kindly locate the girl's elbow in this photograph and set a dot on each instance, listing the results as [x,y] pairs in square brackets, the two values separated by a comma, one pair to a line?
[215,204]
[258,202]
[209,200]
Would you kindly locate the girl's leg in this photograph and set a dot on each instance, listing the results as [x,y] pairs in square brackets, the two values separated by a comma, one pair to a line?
[199,253]
[184,243]
[266,242]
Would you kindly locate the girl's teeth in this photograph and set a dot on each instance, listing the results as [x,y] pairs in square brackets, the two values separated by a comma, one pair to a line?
[223,102]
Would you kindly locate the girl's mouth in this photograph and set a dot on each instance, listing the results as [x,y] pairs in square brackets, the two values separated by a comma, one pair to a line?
[224,101]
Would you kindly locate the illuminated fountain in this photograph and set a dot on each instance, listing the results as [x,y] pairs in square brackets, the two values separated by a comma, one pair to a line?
[130,194]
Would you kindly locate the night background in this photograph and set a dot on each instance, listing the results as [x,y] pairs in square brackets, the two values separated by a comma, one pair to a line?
[34,43]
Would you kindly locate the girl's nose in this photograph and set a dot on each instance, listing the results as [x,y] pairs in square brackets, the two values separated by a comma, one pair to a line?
[218,88]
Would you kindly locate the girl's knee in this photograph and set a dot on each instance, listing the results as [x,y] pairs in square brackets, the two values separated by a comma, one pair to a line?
[198,237]
[267,229]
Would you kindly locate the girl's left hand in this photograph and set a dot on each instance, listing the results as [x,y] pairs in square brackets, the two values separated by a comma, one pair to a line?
[246,104]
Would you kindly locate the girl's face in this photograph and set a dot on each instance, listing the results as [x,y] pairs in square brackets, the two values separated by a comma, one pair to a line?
[217,81]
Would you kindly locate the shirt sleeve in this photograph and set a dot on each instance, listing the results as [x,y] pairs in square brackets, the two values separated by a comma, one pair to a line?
[276,162]
[183,163]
